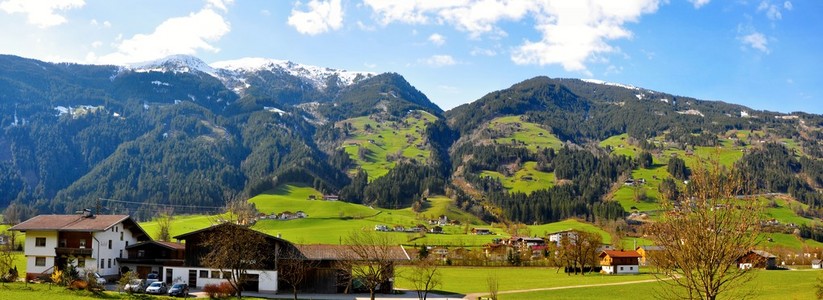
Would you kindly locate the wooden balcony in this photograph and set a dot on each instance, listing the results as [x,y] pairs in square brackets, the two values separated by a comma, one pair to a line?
[73,251]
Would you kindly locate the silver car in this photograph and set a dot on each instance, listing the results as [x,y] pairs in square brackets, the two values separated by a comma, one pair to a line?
[157,287]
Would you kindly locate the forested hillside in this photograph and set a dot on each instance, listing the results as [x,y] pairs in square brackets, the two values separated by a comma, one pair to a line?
[180,132]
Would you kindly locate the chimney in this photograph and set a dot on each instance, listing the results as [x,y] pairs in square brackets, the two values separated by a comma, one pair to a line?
[87,213]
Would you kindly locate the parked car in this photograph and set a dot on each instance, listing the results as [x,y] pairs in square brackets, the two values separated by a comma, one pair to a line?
[135,286]
[157,287]
[100,279]
[151,278]
[179,290]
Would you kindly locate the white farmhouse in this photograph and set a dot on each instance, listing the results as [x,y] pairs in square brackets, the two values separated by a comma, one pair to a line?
[95,242]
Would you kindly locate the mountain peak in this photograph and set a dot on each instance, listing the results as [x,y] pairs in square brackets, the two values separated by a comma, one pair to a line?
[318,76]
[174,63]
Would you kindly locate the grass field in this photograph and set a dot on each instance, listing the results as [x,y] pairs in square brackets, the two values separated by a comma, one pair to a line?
[19,290]
[526,180]
[507,130]
[778,285]
[464,280]
[384,138]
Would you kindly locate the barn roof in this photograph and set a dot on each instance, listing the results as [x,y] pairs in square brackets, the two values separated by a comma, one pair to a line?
[80,223]
[616,253]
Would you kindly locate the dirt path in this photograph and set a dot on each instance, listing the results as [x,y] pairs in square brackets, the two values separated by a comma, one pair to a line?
[473,296]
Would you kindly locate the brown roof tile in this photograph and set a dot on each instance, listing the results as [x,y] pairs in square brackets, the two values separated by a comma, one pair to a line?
[615,253]
[70,222]
[339,252]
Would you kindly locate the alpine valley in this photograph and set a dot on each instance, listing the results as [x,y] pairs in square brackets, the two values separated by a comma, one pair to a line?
[181,132]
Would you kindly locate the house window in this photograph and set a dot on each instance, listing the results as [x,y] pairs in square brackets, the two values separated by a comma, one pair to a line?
[127,243]
[204,274]
[62,243]
[121,253]
[40,242]
[82,243]
[40,261]
[121,236]
[215,274]
[102,263]
[109,263]
[621,268]
[141,253]
[81,262]
[109,244]
[631,268]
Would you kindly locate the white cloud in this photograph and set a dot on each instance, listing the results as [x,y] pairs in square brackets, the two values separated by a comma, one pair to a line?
[94,23]
[180,35]
[756,40]
[437,39]
[439,61]
[42,13]
[788,5]
[219,4]
[572,32]
[365,27]
[321,16]
[265,12]
[699,3]
[772,11]
[96,44]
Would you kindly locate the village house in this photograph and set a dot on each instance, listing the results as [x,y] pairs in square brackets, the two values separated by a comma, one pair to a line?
[481,231]
[195,274]
[151,256]
[86,240]
[555,237]
[757,259]
[646,252]
[331,197]
[325,277]
[817,264]
[619,262]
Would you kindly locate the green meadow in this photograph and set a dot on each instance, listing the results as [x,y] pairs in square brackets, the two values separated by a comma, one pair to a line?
[778,285]
[511,129]
[526,180]
[387,138]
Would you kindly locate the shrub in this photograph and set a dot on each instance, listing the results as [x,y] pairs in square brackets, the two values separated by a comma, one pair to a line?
[212,290]
[78,285]
[221,290]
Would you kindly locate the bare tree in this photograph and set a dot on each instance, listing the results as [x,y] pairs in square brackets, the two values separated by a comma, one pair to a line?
[494,286]
[704,235]
[294,269]
[241,212]
[235,249]
[578,249]
[164,220]
[424,276]
[369,258]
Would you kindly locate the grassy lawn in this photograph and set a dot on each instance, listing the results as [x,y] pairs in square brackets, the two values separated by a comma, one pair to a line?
[778,285]
[526,180]
[463,280]
[531,135]
[19,290]
[386,138]
[620,145]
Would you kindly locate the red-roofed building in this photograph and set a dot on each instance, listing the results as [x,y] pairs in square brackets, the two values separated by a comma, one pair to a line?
[151,256]
[93,241]
[619,262]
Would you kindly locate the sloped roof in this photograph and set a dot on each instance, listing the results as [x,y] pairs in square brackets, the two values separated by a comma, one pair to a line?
[763,254]
[168,245]
[650,248]
[80,223]
[616,253]
[339,252]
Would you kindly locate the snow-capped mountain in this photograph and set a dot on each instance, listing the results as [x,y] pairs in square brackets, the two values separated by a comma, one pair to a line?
[235,74]
[318,76]
[175,63]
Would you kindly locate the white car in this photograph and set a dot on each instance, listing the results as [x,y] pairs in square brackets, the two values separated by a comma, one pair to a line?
[135,286]
[157,287]
[100,279]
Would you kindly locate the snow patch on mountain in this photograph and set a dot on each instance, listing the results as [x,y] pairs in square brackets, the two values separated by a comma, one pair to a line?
[174,63]
[317,76]
[626,86]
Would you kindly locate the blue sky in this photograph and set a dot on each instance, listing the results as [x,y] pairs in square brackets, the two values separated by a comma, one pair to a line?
[765,54]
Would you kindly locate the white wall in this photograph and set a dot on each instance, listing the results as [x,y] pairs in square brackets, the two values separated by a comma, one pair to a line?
[101,251]
[32,252]
[627,269]
[268,279]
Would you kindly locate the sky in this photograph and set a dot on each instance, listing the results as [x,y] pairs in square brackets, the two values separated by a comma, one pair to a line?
[765,54]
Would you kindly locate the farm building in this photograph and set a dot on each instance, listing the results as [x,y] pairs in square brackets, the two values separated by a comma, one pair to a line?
[619,262]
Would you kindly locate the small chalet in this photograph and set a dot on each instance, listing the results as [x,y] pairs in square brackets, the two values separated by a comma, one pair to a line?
[86,240]
[481,231]
[757,259]
[619,262]
[436,230]
[151,256]
[817,264]
[646,252]
[331,197]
